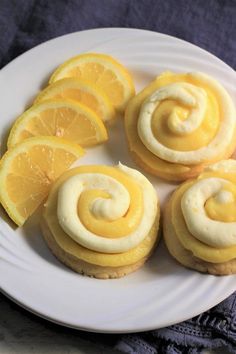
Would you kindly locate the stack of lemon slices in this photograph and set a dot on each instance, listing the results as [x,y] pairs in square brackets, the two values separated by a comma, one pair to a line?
[69,114]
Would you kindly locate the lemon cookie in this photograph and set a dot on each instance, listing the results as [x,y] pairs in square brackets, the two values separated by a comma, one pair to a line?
[102,221]
[200,221]
[179,124]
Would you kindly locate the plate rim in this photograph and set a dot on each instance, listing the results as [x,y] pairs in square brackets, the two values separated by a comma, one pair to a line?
[46,43]
[131,29]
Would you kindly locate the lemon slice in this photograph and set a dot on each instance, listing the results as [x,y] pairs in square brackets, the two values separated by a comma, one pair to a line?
[103,70]
[86,93]
[62,118]
[27,171]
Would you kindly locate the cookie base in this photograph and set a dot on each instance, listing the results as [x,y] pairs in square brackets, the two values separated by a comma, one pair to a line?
[186,257]
[85,268]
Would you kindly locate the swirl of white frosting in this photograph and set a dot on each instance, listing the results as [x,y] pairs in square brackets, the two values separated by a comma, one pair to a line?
[195,98]
[212,232]
[228,166]
[109,209]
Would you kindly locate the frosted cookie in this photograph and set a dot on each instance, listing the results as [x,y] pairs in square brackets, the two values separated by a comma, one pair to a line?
[102,221]
[179,124]
[200,221]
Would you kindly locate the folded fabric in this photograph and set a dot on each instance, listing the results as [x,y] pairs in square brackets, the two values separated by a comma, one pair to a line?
[212,329]
[209,24]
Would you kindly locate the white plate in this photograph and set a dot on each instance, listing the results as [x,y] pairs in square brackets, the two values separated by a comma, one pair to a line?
[162,292]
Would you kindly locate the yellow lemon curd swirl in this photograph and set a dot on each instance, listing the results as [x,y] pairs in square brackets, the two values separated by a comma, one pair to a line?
[104,209]
[181,119]
[203,213]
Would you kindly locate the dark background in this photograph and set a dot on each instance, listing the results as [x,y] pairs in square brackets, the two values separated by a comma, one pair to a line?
[210,24]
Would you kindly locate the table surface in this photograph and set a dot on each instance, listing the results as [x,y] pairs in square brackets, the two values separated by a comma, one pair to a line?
[24,333]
